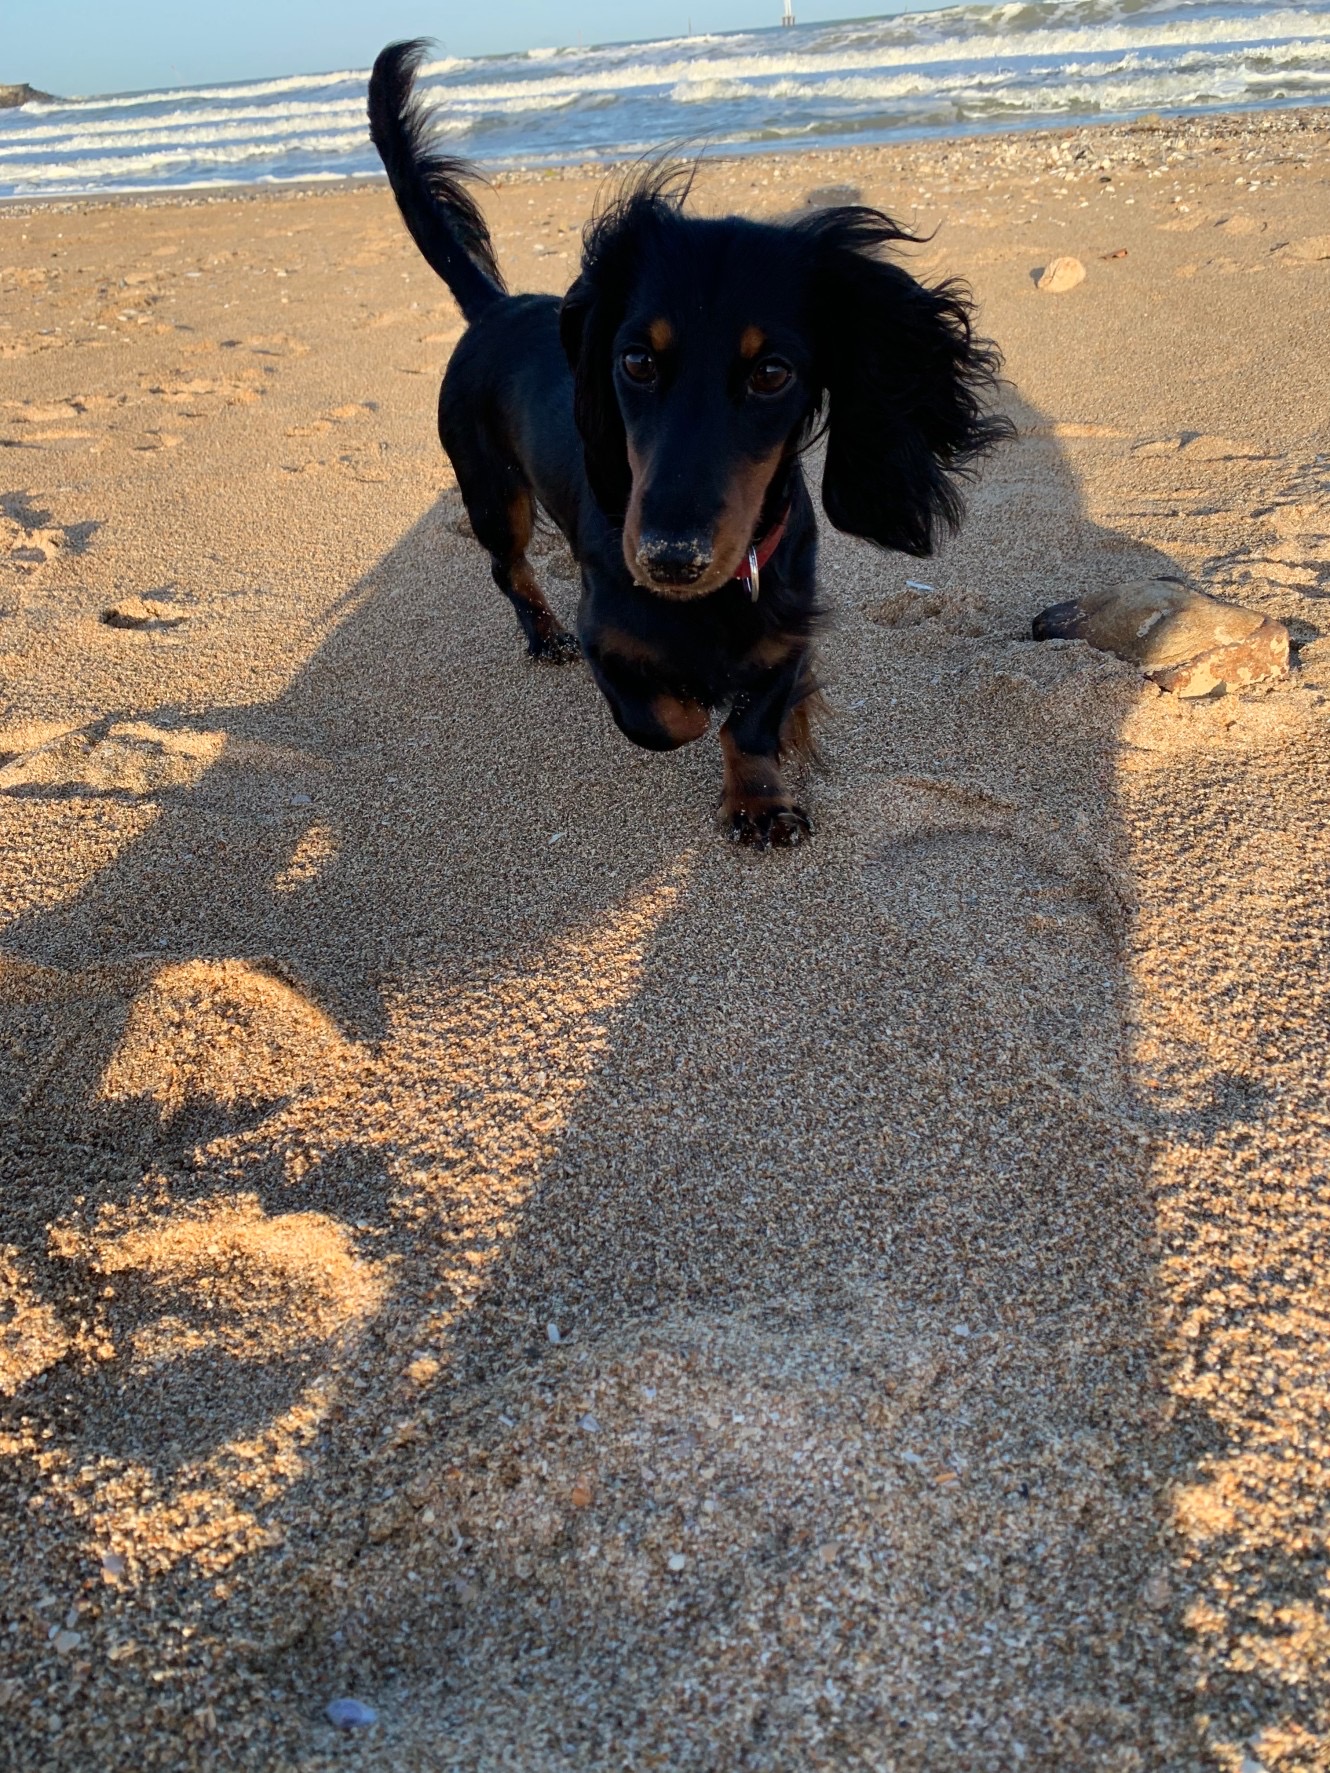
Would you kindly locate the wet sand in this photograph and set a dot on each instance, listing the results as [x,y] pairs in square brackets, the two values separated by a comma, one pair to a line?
[476,1243]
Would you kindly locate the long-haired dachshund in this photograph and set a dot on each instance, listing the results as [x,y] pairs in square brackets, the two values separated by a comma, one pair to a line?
[658,414]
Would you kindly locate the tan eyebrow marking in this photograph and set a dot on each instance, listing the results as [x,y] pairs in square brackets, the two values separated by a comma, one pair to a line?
[661,335]
[751,341]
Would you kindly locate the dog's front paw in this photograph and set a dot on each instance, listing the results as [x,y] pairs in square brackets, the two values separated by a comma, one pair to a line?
[558,648]
[769,827]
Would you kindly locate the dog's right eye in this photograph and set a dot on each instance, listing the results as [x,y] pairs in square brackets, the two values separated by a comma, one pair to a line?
[639,367]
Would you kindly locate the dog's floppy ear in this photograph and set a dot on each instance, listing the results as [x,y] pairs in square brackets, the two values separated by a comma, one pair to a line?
[906,380]
[588,320]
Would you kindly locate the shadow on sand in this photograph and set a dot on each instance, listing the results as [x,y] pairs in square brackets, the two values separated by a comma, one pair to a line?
[425,1015]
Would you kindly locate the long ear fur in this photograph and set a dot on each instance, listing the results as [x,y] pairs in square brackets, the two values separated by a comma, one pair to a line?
[588,320]
[907,382]
[647,202]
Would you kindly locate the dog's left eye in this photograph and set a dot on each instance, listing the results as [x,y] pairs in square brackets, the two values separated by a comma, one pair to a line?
[770,376]
[639,367]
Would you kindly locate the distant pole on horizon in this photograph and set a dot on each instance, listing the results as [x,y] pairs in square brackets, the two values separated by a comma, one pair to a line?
[787,17]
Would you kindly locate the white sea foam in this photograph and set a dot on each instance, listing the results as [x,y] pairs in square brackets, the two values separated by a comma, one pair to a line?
[255,89]
[963,66]
[734,69]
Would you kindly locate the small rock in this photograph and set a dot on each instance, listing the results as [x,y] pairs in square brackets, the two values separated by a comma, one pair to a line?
[676,1561]
[65,1641]
[552,1331]
[1184,640]
[1250,1765]
[1157,1591]
[301,800]
[113,1566]
[350,1714]
[580,1496]
[588,1424]
[1060,275]
[385,1519]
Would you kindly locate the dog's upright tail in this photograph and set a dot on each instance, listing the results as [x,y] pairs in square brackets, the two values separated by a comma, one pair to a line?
[439,211]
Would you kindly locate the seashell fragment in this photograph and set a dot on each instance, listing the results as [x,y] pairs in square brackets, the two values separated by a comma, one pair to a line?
[350,1714]
[1184,640]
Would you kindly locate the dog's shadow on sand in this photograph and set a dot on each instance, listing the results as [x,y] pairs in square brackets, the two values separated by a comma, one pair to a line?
[427,1015]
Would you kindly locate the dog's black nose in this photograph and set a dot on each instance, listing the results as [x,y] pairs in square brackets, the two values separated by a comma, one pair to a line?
[673,560]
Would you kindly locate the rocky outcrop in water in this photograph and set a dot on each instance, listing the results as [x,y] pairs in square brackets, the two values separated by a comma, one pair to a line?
[11,97]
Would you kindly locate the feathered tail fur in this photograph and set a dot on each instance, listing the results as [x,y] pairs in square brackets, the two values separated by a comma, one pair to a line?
[440,213]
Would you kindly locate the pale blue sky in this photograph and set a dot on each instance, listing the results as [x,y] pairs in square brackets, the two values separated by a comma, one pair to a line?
[97,46]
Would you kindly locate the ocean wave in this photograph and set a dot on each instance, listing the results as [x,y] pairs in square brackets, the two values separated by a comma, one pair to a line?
[1286,26]
[960,67]
[170,121]
[254,89]
[1078,72]
[139,166]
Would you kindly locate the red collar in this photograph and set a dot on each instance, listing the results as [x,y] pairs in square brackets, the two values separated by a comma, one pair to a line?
[759,553]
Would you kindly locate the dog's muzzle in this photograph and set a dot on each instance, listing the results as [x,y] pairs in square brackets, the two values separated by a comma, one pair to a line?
[670,560]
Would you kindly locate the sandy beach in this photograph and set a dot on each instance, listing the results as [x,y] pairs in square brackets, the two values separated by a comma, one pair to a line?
[474,1242]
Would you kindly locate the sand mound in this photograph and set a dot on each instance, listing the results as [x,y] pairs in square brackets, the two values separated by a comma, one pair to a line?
[225,1033]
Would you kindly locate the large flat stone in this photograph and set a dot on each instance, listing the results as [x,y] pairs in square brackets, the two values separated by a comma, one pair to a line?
[1184,640]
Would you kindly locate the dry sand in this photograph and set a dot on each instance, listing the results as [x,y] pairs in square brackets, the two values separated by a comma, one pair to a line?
[933,1221]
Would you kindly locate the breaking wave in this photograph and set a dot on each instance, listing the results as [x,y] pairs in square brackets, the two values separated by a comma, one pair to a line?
[956,69]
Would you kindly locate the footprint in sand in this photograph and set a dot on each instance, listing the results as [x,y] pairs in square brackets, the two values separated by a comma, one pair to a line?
[216,1312]
[38,424]
[339,415]
[131,758]
[277,344]
[151,613]
[1309,251]
[918,604]
[206,393]
[154,440]
[1201,446]
[29,538]
[1017,915]
[1073,428]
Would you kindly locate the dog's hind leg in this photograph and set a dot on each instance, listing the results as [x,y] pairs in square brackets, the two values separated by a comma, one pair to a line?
[503,515]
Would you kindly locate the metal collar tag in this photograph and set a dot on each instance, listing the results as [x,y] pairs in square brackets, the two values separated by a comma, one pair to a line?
[752,575]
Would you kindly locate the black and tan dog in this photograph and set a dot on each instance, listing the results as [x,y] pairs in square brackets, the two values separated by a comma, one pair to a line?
[658,414]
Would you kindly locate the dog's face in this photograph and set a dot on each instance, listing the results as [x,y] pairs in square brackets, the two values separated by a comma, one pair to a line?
[703,351]
[712,377]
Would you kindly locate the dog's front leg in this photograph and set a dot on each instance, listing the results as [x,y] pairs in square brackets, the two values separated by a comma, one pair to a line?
[764,724]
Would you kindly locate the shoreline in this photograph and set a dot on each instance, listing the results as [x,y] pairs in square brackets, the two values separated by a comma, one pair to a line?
[1207,124]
